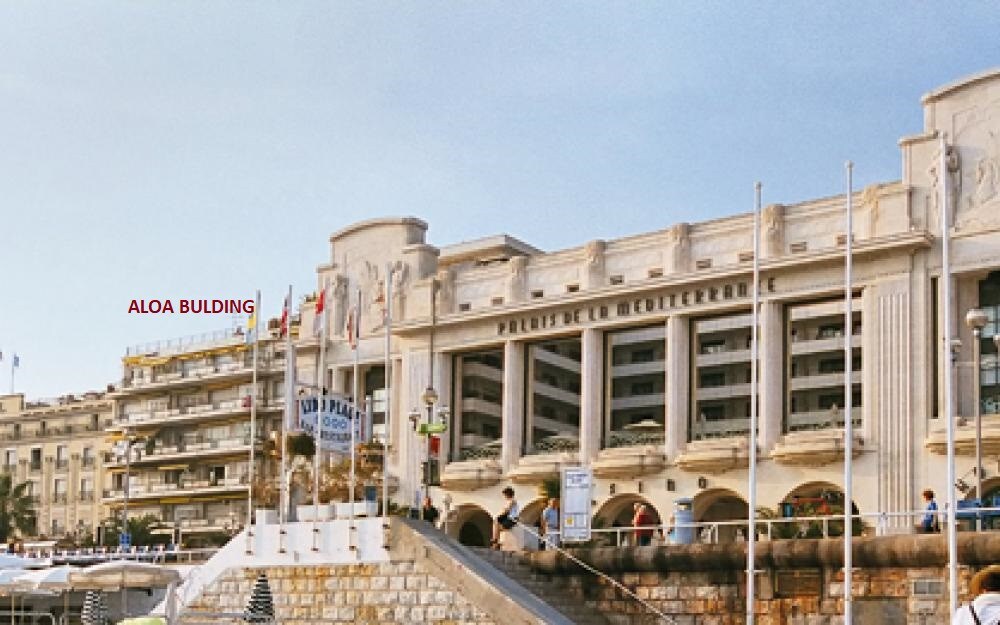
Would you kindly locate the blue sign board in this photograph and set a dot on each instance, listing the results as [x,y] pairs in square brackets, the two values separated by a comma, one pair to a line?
[125,540]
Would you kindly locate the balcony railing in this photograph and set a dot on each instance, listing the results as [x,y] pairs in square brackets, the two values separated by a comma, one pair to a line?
[625,438]
[62,464]
[59,498]
[88,462]
[206,372]
[821,419]
[86,495]
[720,428]
[156,489]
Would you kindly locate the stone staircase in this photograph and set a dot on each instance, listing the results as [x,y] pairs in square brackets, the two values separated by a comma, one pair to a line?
[565,597]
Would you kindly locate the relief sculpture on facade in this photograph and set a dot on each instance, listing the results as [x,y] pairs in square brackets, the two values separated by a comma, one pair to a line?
[338,305]
[444,291]
[773,222]
[679,248]
[517,282]
[400,283]
[594,255]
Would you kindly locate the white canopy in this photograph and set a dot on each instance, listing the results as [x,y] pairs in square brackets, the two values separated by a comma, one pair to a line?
[53,580]
[115,574]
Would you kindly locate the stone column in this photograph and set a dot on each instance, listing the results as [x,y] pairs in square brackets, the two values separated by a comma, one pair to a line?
[443,385]
[678,386]
[771,374]
[513,403]
[591,394]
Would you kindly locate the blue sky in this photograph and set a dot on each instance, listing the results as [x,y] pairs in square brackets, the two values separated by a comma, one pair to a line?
[204,149]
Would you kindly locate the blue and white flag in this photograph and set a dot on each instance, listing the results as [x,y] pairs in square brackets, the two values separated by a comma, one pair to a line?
[16,362]
[338,415]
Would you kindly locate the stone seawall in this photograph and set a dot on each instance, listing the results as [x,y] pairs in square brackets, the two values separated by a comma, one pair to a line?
[393,593]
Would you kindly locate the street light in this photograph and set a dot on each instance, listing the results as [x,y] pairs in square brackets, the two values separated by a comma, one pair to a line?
[429,398]
[976,319]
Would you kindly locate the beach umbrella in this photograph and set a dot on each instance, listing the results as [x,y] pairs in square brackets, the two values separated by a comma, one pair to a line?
[95,610]
[260,608]
[118,573]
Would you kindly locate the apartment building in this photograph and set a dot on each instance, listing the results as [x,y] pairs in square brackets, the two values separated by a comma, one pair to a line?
[633,356]
[55,446]
[182,426]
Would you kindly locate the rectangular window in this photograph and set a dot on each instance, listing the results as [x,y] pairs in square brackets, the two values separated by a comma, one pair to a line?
[815,364]
[553,396]
[477,417]
[720,379]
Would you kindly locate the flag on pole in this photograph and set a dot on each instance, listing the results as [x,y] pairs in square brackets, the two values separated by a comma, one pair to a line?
[252,328]
[284,316]
[353,328]
[16,362]
[320,305]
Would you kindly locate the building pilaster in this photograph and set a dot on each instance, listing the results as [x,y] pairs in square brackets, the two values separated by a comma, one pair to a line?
[772,375]
[512,409]
[678,386]
[591,393]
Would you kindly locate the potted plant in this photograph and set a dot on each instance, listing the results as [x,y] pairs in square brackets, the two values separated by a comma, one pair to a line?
[265,495]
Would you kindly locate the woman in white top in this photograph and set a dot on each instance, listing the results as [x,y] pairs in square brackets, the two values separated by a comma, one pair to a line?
[507,518]
[984,609]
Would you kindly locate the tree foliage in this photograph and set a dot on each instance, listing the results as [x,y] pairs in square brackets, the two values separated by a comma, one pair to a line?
[17,511]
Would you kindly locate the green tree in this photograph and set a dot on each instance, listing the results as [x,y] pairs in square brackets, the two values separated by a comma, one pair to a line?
[17,513]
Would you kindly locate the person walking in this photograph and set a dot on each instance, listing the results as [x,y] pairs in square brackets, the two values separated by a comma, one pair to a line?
[930,523]
[550,524]
[642,522]
[507,518]
[984,608]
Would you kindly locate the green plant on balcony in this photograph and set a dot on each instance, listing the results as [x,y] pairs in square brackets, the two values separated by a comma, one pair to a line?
[550,488]
[334,481]
[301,445]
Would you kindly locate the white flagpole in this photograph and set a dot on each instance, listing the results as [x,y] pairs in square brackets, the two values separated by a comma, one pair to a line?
[253,422]
[289,406]
[849,402]
[947,361]
[388,391]
[318,429]
[357,401]
[752,450]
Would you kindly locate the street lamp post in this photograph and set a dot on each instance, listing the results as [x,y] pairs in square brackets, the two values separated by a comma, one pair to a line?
[976,319]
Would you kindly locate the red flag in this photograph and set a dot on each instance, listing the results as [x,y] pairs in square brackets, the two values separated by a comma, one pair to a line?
[318,321]
[284,317]
[352,328]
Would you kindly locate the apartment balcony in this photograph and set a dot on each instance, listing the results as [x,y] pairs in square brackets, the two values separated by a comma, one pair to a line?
[799,347]
[231,371]
[720,428]
[965,436]
[62,464]
[728,391]
[59,498]
[481,406]
[554,393]
[192,414]
[723,324]
[471,474]
[645,335]
[196,449]
[822,380]
[716,455]
[723,357]
[86,496]
[814,448]
[631,370]
[88,462]
[821,420]
[187,488]
[556,360]
[638,401]
[479,370]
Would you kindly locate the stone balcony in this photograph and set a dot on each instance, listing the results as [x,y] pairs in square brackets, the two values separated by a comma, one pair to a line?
[630,461]
[469,475]
[714,455]
[814,448]
[965,436]
[535,468]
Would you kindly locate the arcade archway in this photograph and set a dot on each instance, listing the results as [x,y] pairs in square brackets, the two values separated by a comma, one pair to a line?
[473,526]
[719,505]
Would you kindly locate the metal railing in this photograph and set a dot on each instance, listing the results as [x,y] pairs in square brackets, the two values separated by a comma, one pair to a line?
[822,526]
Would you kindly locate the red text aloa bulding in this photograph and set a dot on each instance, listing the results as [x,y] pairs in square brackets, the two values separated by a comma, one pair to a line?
[192,306]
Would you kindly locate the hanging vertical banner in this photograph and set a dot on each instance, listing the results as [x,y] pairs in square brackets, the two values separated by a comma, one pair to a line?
[338,414]
[576,503]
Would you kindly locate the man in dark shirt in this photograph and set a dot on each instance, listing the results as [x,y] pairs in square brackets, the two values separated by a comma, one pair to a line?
[428,512]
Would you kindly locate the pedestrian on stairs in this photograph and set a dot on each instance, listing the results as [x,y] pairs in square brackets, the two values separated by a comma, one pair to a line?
[550,524]
[507,519]
[429,512]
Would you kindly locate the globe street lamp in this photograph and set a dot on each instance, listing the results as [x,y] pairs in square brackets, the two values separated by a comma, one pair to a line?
[976,320]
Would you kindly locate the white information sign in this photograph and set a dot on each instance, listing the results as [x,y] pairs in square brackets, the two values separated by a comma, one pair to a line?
[576,503]
[338,414]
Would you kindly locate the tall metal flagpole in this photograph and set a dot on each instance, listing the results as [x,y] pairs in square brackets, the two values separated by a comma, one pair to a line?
[849,401]
[357,401]
[752,450]
[253,422]
[946,359]
[388,390]
[322,397]
[287,418]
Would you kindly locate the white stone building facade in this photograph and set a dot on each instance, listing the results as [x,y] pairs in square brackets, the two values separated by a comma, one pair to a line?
[632,355]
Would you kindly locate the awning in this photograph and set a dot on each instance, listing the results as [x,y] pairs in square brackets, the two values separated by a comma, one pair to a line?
[173,467]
